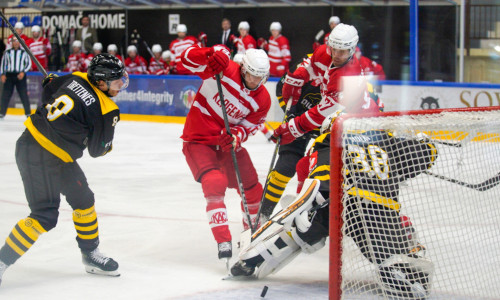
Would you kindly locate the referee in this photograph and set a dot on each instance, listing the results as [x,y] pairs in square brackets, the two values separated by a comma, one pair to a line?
[15,63]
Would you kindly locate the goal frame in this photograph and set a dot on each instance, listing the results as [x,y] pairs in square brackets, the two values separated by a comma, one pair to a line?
[336,180]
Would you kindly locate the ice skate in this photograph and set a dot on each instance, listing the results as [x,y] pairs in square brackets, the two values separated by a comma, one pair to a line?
[3,267]
[97,263]
[242,269]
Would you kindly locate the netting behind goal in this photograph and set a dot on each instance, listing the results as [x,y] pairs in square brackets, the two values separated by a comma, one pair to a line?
[415,205]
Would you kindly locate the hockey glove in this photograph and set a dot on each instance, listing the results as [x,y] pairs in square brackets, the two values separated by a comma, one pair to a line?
[287,132]
[262,43]
[229,141]
[218,61]
[202,37]
[48,79]
[292,88]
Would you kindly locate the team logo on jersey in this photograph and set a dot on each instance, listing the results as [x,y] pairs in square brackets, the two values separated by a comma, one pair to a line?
[187,95]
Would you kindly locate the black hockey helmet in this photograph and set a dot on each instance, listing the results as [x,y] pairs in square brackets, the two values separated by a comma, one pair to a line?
[106,67]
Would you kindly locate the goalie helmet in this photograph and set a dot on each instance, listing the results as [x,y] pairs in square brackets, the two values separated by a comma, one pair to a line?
[156,48]
[344,37]
[107,68]
[256,63]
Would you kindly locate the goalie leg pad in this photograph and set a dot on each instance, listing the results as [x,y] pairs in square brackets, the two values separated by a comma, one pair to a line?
[407,277]
[306,248]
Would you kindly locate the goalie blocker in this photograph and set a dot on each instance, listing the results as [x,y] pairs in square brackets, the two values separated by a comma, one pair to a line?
[386,238]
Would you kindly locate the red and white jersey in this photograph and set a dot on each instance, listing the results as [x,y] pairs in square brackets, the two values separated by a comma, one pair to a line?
[319,69]
[76,63]
[138,65]
[178,46]
[41,49]
[246,109]
[158,67]
[89,58]
[279,55]
[325,40]
[244,43]
[26,39]
[371,68]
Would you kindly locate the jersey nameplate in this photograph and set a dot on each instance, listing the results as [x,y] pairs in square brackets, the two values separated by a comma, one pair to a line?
[81,92]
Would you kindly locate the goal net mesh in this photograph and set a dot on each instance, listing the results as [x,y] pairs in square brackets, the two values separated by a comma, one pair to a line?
[420,206]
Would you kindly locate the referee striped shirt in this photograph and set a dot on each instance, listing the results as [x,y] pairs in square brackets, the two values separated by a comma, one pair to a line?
[15,61]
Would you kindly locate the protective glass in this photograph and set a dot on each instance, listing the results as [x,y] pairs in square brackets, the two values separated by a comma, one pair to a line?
[119,84]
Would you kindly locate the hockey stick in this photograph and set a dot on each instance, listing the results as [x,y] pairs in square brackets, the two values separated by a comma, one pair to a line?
[273,159]
[233,155]
[483,186]
[33,58]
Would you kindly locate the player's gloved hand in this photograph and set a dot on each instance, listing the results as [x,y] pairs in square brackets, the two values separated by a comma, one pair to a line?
[48,79]
[287,132]
[202,37]
[262,43]
[217,61]
[229,141]
[316,45]
[292,87]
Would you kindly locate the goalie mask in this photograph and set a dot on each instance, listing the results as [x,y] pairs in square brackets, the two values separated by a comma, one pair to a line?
[109,69]
[254,68]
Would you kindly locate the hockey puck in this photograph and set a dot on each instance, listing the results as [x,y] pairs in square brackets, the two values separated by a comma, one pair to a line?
[264,291]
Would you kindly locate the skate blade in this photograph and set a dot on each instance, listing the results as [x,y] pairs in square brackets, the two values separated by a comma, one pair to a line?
[97,271]
[239,278]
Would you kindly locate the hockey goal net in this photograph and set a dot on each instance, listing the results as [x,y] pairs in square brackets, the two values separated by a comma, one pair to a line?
[415,205]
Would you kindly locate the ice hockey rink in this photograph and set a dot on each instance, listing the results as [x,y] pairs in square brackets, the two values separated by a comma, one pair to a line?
[151,220]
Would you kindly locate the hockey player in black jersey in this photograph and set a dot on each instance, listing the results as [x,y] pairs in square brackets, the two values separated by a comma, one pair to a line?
[291,153]
[76,113]
[371,208]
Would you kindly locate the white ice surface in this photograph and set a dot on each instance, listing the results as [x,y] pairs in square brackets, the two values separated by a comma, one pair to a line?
[151,220]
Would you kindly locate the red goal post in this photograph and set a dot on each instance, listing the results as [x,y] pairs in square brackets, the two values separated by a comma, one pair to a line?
[455,133]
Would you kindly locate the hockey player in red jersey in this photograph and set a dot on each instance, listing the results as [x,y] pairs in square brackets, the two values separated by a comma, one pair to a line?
[134,63]
[113,50]
[370,67]
[177,46]
[18,27]
[40,47]
[76,61]
[96,49]
[245,41]
[329,66]
[207,145]
[157,66]
[278,50]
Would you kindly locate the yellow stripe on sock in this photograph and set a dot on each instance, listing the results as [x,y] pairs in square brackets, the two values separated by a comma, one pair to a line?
[20,238]
[14,246]
[84,215]
[271,198]
[275,190]
[86,228]
[280,177]
[31,227]
[88,237]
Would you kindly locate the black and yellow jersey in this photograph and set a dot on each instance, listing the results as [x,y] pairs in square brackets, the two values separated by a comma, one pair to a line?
[375,162]
[74,115]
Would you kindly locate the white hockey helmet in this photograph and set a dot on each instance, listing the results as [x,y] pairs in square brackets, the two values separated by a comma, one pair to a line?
[36,28]
[334,19]
[131,48]
[19,25]
[256,63]
[112,47]
[156,48]
[182,28]
[97,47]
[167,55]
[244,25]
[77,44]
[275,26]
[342,37]
[238,58]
